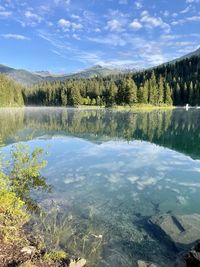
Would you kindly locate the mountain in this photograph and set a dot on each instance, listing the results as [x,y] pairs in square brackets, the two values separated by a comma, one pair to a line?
[191,54]
[42,73]
[21,76]
[28,78]
[95,71]
[194,53]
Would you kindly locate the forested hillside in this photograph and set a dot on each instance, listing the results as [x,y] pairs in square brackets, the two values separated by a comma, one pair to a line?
[177,83]
[183,77]
[10,93]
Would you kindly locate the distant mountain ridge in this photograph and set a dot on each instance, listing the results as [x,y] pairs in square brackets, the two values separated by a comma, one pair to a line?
[191,54]
[28,78]
[21,76]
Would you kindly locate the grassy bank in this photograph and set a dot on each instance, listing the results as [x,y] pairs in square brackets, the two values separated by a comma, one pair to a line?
[143,107]
[136,107]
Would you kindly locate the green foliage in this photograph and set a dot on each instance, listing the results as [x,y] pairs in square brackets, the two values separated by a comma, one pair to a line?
[10,93]
[56,255]
[18,178]
[147,87]
[25,173]
[12,210]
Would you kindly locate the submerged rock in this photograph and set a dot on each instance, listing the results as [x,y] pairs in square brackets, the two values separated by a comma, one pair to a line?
[145,264]
[30,250]
[193,257]
[183,230]
[78,263]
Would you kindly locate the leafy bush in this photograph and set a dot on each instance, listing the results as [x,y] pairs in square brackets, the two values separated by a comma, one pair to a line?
[18,177]
[12,211]
[56,255]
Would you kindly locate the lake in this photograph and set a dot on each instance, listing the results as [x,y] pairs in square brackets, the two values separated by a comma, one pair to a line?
[123,183]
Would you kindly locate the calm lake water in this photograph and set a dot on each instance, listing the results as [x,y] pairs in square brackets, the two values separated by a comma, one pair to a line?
[111,172]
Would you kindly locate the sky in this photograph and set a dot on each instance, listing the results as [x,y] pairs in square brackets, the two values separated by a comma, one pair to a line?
[68,35]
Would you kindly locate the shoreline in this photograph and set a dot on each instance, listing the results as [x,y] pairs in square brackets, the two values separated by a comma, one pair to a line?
[136,107]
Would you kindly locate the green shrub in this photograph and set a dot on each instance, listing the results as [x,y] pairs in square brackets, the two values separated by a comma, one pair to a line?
[56,255]
[18,177]
[12,211]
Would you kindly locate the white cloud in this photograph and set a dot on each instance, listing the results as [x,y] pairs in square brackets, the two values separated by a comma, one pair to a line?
[32,16]
[65,2]
[186,10]
[75,16]
[185,20]
[114,25]
[111,39]
[192,1]
[136,25]
[153,22]
[76,26]
[76,36]
[5,13]
[138,4]
[66,25]
[15,36]
[165,13]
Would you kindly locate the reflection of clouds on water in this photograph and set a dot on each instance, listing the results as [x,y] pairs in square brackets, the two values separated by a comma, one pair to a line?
[181,200]
[196,169]
[190,184]
[133,179]
[139,163]
[74,179]
[134,172]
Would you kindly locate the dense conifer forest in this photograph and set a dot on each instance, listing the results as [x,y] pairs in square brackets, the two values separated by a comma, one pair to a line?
[10,93]
[169,84]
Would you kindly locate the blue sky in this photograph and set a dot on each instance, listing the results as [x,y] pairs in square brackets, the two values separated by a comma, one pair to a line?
[69,35]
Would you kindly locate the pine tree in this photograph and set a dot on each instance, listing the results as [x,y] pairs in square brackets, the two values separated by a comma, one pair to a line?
[153,89]
[75,97]
[160,95]
[64,97]
[130,91]
[168,95]
[112,93]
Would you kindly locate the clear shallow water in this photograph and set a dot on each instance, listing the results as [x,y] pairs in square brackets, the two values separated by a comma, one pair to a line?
[111,172]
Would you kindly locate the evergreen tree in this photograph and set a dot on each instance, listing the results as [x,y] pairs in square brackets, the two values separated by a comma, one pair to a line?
[168,95]
[130,91]
[112,93]
[153,89]
[75,97]
[160,95]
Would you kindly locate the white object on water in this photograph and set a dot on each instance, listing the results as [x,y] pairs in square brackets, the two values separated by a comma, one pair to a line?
[187,106]
[97,236]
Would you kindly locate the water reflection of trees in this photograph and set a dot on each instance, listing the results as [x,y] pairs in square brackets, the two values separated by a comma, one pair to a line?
[11,121]
[176,129]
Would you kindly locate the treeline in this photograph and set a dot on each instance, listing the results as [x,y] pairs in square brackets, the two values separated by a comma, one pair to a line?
[172,84]
[10,93]
[183,77]
[107,91]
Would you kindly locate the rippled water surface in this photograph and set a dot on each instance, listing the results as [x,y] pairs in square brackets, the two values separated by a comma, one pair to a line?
[111,173]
